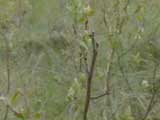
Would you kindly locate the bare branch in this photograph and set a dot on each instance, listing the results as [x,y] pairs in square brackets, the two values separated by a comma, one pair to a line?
[90,76]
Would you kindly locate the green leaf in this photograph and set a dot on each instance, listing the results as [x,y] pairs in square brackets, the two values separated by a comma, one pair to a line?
[82,19]
[115,44]
[140,18]
[83,45]
[38,115]
[137,58]
[15,96]
[71,93]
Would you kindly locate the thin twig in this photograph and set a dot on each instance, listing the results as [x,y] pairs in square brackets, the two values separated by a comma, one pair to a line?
[109,68]
[8,66]
[100,96]
[151,103]
[90,77]
[86,64]
[7,71]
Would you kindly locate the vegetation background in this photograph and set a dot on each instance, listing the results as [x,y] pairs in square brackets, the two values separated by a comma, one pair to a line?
[46,59]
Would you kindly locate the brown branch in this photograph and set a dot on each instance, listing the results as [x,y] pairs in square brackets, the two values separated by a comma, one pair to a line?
[100,96]
[86,64]
[109,67]
[107,92]
[90,76]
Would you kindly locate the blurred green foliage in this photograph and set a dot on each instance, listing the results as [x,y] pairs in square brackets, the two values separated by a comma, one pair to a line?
[45,38]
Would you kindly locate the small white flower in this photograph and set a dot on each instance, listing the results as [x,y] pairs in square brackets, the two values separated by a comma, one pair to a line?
[2,98]
[145,83]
